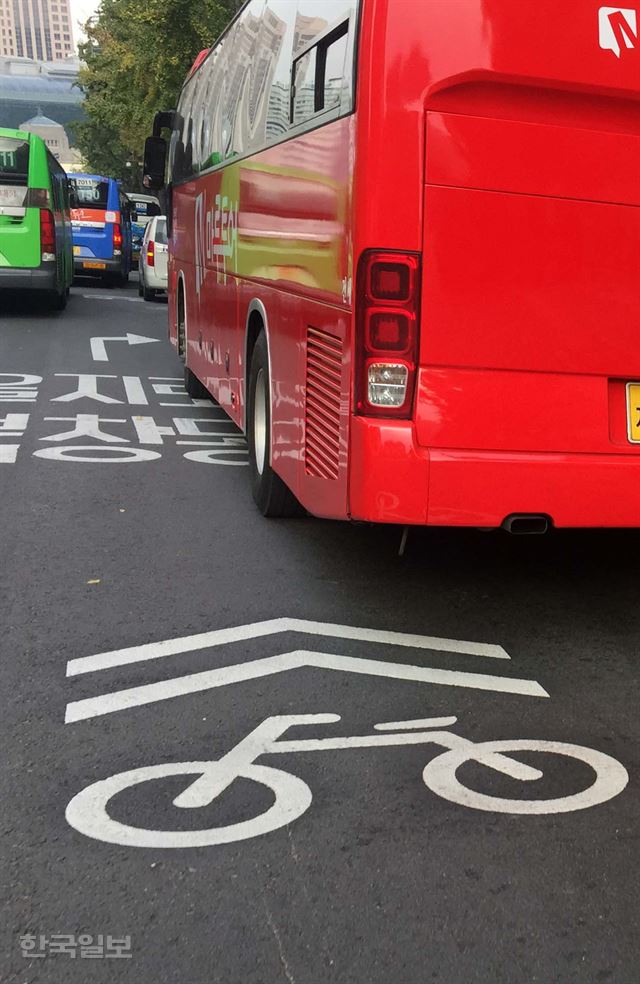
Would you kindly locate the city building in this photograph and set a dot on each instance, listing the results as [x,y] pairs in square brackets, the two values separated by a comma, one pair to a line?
[30,88]
[39,29]
[56,140]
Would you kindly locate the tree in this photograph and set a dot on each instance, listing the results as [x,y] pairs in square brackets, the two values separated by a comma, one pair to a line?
[136,57]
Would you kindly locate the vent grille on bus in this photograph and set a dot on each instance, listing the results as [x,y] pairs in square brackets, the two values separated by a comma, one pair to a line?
[322,404]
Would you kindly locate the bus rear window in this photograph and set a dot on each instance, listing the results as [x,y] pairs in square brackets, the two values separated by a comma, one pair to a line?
[90,192]
[14,170]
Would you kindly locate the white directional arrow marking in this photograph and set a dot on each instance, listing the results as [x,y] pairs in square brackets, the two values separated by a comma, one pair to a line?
[256,630]
[98,346]
[121,700]
[253,669]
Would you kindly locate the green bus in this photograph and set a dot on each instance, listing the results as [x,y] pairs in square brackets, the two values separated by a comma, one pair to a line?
[36,247]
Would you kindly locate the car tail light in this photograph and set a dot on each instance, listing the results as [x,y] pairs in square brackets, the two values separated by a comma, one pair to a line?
[151,253]
[387,305]
[47,236]
[117,238]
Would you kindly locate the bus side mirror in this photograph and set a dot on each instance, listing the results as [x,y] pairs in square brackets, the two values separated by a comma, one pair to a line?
[73,197]
[155,159]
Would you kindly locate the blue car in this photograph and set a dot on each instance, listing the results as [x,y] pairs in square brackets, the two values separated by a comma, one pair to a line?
[101,224]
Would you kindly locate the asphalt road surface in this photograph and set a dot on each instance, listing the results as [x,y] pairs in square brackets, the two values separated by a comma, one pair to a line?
[129,543]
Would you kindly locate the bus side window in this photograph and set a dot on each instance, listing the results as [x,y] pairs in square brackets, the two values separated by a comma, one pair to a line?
[304,87]
[181,164]
[318,75]
[331,70]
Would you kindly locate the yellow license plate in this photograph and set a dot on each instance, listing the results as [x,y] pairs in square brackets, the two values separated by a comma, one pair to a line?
[633,412]
[76,251]
[94,266]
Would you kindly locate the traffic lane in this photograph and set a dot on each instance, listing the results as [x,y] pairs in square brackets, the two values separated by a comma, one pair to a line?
[33,340]
[556,604]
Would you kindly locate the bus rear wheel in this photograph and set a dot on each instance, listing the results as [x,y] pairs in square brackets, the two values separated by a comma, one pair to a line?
[57,300]
[270,494]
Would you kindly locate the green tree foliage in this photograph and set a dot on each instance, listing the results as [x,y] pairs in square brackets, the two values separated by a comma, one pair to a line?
[136,57]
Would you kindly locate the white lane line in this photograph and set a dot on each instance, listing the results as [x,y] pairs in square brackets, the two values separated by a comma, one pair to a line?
[112,297]
[254,630]
[120,700]
[193,403]
[226,442]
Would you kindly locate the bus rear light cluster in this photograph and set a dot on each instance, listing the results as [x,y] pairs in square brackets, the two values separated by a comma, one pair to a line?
[388,295]
[47,236]
[117,239]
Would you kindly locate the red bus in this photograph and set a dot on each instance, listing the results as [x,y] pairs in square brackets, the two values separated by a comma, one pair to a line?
[405,256]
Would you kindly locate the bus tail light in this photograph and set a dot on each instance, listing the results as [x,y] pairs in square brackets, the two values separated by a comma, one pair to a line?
[151,253]
[388,312]
[47,236]
[117,239]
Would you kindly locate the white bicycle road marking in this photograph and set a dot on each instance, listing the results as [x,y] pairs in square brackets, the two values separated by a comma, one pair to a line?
[87,812]
[253,669]
[255,630]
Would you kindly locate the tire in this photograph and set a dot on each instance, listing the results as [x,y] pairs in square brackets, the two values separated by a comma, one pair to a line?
[148,293]
[440,776]
[57,301]
[87,812]
[116,280]
[194,387]
[139,288]
[272,497]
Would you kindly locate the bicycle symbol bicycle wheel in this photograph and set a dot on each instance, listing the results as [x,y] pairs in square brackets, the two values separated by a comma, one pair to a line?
[87,811]
[440,776]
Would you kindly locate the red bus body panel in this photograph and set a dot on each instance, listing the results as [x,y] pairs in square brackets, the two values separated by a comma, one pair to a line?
[500,141]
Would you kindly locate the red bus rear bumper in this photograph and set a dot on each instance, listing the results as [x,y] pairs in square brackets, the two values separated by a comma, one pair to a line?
[393,480]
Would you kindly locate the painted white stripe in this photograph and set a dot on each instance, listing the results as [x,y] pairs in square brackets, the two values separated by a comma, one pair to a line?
[254,630]
[150,693]
[192,403]
[226,442]
[8,454]
[134,390]
[111,297]
[444,722]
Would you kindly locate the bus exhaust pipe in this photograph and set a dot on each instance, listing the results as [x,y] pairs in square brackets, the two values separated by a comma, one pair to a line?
[526,524]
